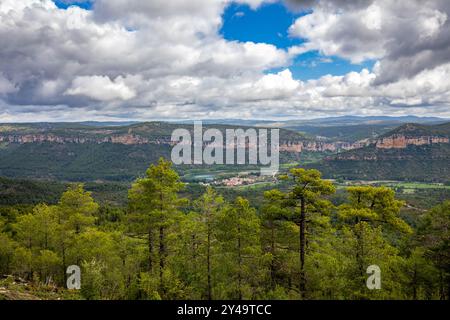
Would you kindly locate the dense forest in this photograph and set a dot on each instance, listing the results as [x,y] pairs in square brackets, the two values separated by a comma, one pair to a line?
[295,244]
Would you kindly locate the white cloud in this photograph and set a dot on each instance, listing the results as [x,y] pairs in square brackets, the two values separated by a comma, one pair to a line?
[166,59]
[350,35]
[279,86]
[406,36]
[101,88]
[6,86]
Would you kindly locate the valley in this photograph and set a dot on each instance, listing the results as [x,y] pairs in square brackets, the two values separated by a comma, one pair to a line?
[402,175]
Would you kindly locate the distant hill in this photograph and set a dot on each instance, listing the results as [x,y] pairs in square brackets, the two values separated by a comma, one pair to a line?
[80,152]
[86,152]
[359,120]
[416,130]
[108,123]
[352,128]
[349,133]
[327,121]
[412,152]
[333,129]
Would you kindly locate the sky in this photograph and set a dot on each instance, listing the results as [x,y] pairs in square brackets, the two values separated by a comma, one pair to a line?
[113,60]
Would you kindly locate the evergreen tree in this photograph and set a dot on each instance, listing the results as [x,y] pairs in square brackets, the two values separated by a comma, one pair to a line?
[155,198]
[203,236]
[369,213]
[279,243]
[239,236]
[434,234]
[306,199]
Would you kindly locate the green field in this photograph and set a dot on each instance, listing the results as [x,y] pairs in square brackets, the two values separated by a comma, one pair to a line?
[395,184]
[417,185]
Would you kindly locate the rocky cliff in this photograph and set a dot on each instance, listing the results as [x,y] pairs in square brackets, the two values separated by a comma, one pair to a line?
[291,142]
[127,139]
[134,139]
[402,141]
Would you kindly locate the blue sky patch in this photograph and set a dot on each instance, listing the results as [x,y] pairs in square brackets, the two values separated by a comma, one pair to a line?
[269,24]
[85,4]
[313,65]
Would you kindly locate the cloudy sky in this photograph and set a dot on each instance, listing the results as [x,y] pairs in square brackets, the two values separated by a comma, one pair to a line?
[71,60]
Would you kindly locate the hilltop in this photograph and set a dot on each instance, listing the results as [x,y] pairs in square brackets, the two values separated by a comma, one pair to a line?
[409,152]
[80,152]
[416,130]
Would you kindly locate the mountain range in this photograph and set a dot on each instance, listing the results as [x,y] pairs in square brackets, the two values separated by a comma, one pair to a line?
[121,151]
[410,152]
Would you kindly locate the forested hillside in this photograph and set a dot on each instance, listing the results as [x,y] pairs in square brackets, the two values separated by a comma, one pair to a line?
[161,245]
[80,152]
[410,152]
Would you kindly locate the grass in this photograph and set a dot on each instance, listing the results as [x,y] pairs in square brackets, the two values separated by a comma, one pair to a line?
[417,185]
[255,186]
[405,187]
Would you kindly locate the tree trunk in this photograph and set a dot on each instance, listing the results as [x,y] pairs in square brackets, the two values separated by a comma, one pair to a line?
[239,265]
[162,254]
[150,250]
[64,265]
[414,283]
[302,247]
[441,286]
[360,255]
[208,262]
[194,248]
[448,288]
[272,262]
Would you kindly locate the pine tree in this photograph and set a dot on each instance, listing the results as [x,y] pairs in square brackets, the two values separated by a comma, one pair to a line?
[278,235]
[209,207]
[306,199]
[239,236]
[74,213]
[155,197]
[434,234]
[369,213]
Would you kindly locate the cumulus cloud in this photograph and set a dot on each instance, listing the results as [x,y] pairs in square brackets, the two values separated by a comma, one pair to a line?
[101,88]
[6,86]
[167,59]
[407,37]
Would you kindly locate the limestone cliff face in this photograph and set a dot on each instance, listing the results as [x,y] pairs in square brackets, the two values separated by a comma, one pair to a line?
[391,142]
[398,141]
[321,146]
[402,141]
[127,139]
[134,139]
[395,142]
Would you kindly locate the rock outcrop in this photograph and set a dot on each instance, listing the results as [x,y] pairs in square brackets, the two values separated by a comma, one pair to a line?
[402,141]
[321,146]
[127,139]
[390,142]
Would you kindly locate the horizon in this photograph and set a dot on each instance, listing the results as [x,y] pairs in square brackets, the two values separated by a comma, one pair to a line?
[236,119]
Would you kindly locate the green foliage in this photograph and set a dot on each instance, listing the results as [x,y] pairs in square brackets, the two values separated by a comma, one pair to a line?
[29,192]
[7,248]
[76,209]
[88,153]
[238,230]
[426,163]
[375,204]
[309,210]
[284,244]
[364,246]
[154,202]
[434,234]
